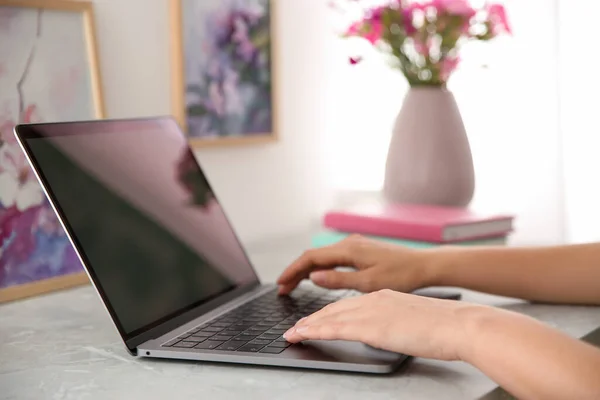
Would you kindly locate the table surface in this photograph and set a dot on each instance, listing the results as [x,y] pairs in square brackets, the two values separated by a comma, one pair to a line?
[64,346]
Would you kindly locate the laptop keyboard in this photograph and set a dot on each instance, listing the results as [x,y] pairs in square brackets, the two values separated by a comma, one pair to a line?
[258,326]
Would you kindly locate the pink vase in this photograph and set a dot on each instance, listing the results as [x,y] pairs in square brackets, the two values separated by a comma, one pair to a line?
[429,159]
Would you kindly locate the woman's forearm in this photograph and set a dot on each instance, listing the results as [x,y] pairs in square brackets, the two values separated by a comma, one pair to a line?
[529,359]
[563,274]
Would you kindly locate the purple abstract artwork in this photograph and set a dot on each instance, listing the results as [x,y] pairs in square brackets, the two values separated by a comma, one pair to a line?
[228,69]
[36,86]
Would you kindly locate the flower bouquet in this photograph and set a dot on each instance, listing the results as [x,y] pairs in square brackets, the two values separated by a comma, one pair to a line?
[424,38]
[429,159]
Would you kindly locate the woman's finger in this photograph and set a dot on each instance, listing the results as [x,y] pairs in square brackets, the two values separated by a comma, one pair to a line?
[340,311]
[288,287]
[363,281]
[334,255]
[323,258]
[340,314]
[340,327]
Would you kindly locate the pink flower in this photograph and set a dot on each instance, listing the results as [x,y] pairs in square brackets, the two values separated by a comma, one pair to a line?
[455,7]
[369,30]
[408,15]
[422,48]
[354,29]
[448,66]
[498,19]
[375,13]
[374,32]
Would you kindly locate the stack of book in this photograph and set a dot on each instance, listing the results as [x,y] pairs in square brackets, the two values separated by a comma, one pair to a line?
[417,226]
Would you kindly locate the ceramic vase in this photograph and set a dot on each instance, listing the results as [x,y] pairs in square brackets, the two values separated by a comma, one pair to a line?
[429,159]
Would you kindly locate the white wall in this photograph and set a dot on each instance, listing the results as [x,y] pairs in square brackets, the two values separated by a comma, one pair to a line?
[268,190]
[579,114]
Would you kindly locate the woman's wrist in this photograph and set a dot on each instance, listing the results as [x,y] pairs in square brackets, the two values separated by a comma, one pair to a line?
[439,265]
[474,323]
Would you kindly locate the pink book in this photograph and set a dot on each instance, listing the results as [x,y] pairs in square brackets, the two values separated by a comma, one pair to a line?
[418,222]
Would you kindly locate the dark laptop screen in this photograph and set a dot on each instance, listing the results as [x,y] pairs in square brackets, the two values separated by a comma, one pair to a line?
[143,214]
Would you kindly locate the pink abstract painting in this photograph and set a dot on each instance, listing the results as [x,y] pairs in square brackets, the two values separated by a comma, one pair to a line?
[44,77]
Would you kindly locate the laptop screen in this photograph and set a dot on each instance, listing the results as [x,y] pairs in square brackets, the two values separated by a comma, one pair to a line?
[143,215]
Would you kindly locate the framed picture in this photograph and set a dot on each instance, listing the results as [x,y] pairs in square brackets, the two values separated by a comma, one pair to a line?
[224,71]
[48,72]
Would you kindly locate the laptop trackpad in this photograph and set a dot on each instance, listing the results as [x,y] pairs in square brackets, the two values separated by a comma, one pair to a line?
[342,351]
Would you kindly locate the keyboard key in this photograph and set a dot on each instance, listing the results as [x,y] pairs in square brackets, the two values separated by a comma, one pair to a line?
[203,334]
[223,338]
[258,329]
[272,350]
[248,335]
[277,331]
[279,315]
[185,345]
[269,336]
[232,345]
[240,326]
[212,329]
[171,342]
[251,348]
[260,342]
[195,339]
[184,336]
[231,332]
[208,345]
[263,314]
[221,324]
[281,343]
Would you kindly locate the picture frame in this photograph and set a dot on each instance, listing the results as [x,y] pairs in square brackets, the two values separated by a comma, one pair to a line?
[239,122]
[46,89]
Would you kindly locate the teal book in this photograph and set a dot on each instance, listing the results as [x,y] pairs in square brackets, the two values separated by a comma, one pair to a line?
[327,238]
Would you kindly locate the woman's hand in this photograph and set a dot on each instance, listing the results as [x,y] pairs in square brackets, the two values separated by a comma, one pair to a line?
[377,266]
[402,323]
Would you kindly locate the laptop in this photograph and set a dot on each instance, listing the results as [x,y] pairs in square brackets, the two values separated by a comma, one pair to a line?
[161,253]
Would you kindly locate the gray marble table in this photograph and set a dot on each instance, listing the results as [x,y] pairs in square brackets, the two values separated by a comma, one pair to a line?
[63,346]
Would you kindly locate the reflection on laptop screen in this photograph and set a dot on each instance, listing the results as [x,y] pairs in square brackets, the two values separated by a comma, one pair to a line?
[143,214]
